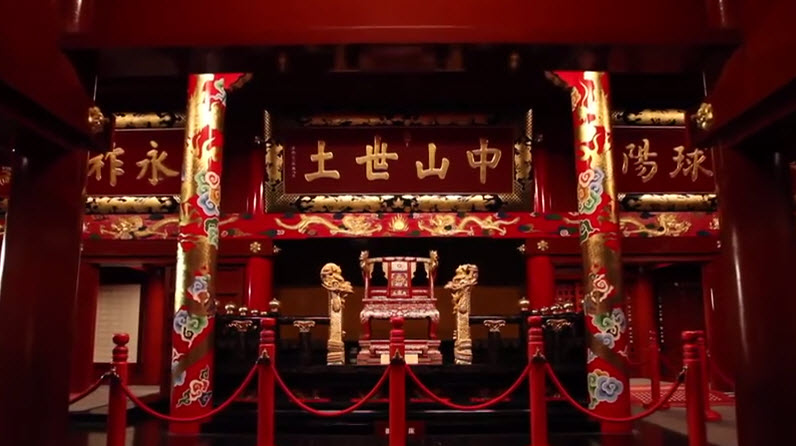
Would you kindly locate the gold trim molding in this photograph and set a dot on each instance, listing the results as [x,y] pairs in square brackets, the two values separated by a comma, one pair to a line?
[277,200]
[668,202]
[149,120]
[665,117]
[132,205]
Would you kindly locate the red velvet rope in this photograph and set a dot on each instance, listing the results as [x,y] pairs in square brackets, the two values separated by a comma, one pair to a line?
[591,413]
[143,406]
[88,391]
[480,406]
[330,413]
[719,372]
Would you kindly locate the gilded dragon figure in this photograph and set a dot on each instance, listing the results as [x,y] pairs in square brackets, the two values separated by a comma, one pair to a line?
[461,287]
[338,288]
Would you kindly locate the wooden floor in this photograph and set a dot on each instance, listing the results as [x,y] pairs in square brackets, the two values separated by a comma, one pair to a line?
[153,434]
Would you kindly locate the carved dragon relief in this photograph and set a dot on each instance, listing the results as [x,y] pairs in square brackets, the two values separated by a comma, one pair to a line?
[461,287]
[338,288]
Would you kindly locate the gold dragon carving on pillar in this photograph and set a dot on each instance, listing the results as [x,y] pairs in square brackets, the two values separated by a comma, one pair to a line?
[461,286]
[338,288]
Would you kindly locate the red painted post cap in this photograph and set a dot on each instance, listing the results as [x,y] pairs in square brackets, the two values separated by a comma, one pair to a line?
[121,339]
[268,322]
[535,321]
[397,322]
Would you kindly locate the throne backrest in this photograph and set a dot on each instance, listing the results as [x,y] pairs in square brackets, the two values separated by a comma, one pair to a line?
[399,272]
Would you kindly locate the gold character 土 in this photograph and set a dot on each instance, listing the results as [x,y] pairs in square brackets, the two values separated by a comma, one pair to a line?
[645,167]
[155,164]
[438,171]
[375,158]
[320,158]
[484,161]
[690,164]
[96,163]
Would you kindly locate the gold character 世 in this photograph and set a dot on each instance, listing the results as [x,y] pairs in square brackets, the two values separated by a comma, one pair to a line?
[375,158]
[438,171]
[690,164]
[484,161]
[155,164]
[96,163]
[644,166]
[320,158]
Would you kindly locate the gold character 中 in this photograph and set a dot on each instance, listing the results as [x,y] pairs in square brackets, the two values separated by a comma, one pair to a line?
[484,161]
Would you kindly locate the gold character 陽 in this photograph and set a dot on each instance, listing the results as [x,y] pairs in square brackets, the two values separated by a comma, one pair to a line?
[320,158]
[484,161]
[155,164]
[96,163]
[375,158]
[644,166]
[690,164]
[440,171]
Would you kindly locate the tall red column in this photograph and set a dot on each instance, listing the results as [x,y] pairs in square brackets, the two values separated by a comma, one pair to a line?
[607,362]
[38,280]
[85,318]
[540,275]
[197,248]
[153,337]
[260,275]
[754,305]
[708,301]
[642,302]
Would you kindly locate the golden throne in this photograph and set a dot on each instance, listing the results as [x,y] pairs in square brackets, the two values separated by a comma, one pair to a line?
[400,296]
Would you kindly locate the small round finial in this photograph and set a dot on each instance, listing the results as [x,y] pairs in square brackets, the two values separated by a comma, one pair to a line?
[273,305]
[254,312]
[121,339]
[230,308]
[397,322]
[690,336]
[525,304]
[243,311]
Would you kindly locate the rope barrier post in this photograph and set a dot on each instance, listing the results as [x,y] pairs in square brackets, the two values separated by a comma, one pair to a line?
[265,383]
[654,365]
[397,383]
[536,382]
[117,400]
[710,414]
[694,396]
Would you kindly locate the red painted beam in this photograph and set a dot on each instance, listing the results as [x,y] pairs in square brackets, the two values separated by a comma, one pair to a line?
[755,88]
[39,87]
[203,23]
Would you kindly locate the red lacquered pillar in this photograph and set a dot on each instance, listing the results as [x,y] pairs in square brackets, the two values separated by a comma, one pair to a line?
[154,339]
[709,308]
[38,279]
[540,275]
[266,408]
[754,306]
[85,322]
[536,382]
[117,400]
[260,275]
[397,383]
[710,414]
[695,409]
[606,325]
[197,249]
[655,370]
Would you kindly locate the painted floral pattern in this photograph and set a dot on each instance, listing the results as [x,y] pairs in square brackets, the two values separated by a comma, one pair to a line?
[603,388]
[188,326]
[198,390]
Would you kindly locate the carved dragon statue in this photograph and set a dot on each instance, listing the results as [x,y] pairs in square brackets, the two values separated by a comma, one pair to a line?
[338,288]
[461,287]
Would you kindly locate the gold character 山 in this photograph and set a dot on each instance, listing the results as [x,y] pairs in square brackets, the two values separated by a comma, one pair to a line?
[484,160]
[320,158]
[645,167]
[337,288]
[690,164]
[155,165]
[375,158]
[440,171]
[96,163]
[461,288]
